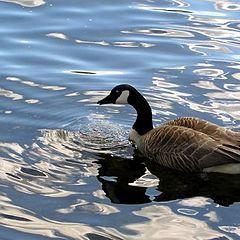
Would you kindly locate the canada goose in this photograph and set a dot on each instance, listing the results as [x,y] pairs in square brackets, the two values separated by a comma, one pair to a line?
[186,143]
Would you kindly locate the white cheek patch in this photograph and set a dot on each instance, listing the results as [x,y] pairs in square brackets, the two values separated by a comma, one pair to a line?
[123,98]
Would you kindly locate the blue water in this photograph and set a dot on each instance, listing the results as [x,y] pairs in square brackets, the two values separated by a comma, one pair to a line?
[67,170]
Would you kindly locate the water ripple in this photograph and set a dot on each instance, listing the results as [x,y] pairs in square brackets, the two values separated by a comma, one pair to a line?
[67,168]
[26,3]
[160,216]
[88,134]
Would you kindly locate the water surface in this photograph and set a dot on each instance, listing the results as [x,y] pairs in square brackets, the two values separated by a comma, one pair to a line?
[67,169]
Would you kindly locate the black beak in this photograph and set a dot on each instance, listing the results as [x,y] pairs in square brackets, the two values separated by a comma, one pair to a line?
[107,100]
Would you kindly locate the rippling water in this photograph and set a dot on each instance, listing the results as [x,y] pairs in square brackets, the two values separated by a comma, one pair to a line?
[67,170]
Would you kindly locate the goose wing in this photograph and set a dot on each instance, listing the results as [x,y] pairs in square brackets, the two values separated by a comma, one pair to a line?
[211,129]
[186,149]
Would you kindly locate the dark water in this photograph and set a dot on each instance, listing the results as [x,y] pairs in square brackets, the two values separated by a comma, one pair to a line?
[67,170]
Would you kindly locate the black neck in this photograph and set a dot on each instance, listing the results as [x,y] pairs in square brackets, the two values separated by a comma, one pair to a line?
[143,123]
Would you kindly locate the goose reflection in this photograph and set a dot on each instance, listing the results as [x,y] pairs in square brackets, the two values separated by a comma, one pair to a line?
[119,170]
[223,189]
[116,175]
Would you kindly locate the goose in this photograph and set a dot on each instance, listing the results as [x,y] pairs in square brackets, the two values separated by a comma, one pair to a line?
[186,144]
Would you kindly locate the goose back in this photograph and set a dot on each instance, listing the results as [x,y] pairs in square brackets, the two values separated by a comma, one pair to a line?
[216,132]
[185,148]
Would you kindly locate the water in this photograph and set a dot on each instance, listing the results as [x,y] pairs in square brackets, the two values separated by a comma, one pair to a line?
[67,170]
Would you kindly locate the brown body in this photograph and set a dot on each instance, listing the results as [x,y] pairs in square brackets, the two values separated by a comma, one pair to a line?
[190,144]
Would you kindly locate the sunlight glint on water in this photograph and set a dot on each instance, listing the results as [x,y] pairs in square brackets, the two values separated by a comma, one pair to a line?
[67,169]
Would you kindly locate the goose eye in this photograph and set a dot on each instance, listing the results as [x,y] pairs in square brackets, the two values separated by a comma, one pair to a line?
[117,91]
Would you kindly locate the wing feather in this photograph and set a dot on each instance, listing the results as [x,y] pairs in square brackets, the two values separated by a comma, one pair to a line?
[187,149]
[216,132]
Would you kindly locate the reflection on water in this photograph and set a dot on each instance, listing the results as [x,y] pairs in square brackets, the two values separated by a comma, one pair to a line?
[27,3]
[227,5]
[67,169]
[174,185]
[180,227]
[156,224]
[62,150]
[62,165]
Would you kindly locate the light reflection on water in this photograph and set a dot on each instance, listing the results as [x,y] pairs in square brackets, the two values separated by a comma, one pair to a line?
[67,169]
[27,3]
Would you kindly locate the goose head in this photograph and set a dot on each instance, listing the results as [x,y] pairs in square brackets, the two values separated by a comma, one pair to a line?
[127,94]
[120,94]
